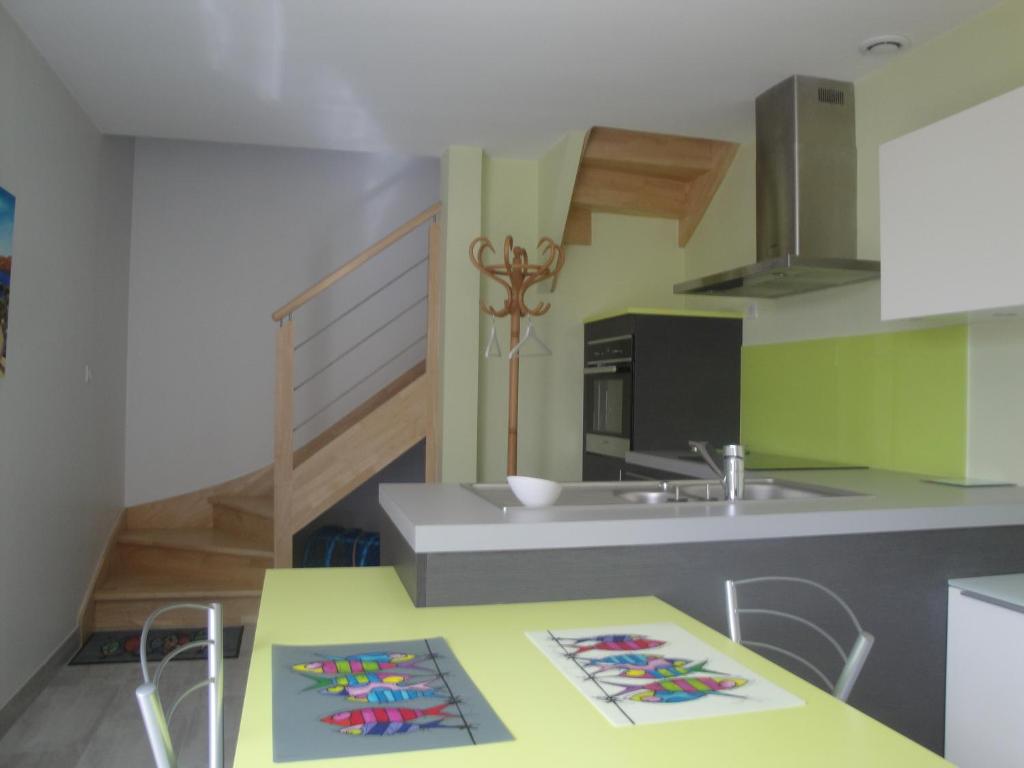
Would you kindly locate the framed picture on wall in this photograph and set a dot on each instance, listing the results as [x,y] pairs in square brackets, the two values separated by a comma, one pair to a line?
[6,262]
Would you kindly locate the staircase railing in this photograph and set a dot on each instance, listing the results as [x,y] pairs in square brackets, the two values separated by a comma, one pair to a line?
[285,387]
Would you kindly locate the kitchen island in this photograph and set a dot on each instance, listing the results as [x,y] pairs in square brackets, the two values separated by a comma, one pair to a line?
[889,551]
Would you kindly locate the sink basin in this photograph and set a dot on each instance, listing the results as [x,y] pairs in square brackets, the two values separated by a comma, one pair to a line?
[650,497]
[652,493]
[764,489]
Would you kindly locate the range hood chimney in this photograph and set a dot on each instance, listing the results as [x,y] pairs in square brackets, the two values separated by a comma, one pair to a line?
[806,195]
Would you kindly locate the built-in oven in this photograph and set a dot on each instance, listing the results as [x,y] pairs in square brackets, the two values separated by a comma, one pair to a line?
[608,395]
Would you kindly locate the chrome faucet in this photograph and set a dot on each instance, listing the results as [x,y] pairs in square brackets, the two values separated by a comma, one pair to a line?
[732,475]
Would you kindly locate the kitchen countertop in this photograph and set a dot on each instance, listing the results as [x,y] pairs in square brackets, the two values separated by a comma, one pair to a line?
[1007,589]
[436,518]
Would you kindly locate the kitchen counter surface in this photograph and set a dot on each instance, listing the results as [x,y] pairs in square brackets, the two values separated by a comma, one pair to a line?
[435,518]
[1007,589]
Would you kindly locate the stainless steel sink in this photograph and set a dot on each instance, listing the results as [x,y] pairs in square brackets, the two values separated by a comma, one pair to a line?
[764,489]
[651,497]
[651,493]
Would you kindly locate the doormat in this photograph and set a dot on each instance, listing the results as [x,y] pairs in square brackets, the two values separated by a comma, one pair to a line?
[119,646]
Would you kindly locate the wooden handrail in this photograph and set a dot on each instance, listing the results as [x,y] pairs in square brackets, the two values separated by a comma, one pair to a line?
[355,263]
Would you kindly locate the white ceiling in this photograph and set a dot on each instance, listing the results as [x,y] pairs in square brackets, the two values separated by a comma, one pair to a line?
[418,75]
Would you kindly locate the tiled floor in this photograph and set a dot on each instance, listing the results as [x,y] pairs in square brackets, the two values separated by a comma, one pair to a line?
[87,717]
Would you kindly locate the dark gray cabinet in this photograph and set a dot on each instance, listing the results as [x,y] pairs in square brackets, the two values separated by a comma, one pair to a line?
[685,383]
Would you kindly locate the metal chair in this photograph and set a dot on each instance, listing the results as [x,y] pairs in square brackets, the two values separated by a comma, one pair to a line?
[149,697]
[853,660]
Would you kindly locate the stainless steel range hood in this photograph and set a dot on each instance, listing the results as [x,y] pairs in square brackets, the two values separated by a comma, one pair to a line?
[806,195]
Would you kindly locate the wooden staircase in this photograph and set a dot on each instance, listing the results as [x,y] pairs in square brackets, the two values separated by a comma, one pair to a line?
[154,562]
[216,543]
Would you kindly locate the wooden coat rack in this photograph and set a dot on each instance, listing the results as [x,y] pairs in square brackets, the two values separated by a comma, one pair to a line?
[516,275]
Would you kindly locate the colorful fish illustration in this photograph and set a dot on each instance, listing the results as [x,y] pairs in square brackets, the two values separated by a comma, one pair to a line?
[335,686]
[610,643]
[648,665]
[387,693]
[392,729]
[678,689]
[350,718]
[358,664]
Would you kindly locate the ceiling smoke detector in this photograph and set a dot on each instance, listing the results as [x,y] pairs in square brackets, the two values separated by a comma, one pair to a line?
[884,45]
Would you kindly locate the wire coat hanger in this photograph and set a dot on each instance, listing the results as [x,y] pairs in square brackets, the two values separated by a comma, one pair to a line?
[493,348]
[530,333]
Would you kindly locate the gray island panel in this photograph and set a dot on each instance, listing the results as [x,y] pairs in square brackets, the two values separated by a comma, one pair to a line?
[893,570]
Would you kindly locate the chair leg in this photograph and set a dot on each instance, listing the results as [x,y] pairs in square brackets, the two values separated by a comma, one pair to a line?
[734,617]
[215,692]
[156,725]
[854,664]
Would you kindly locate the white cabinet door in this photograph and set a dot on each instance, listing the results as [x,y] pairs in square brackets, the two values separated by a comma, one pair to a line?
[984,684]
[952,213]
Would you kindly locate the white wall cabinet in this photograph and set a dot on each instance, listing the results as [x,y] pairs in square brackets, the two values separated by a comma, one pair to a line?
[952,213]
[984,680]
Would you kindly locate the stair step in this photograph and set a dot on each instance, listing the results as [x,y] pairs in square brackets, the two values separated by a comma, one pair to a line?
[186,569]
[211,540]
[261,506]
[131,613]
[122,585]
[242,523]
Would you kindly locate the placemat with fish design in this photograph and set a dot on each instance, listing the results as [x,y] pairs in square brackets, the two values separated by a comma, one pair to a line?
[368,699]
[119,646]
[656,673]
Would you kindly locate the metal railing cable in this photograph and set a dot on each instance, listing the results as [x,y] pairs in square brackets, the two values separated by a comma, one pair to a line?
[365,378]
[358,344]
[360,303]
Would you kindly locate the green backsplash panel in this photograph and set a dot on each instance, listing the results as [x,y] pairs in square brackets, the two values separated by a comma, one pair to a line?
[890,401]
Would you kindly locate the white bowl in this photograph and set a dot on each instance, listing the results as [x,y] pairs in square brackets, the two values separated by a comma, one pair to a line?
[534,491]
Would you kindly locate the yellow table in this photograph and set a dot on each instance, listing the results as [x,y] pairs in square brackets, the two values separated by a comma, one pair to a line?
[552,723]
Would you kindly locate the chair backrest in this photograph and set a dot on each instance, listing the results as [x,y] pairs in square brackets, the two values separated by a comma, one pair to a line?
[148,694]
[852,659]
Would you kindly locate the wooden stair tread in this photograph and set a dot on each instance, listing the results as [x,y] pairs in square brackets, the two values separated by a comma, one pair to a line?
[261,506]
[199,539]
[133,586]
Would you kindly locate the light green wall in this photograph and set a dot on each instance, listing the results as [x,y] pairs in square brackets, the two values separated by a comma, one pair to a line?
[632,262]
[510,208]
[635,261]
[495,197]
[892,400]
[975,62]
[461,189]
[556,179]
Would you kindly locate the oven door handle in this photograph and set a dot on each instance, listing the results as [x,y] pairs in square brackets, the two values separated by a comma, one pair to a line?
[593,371]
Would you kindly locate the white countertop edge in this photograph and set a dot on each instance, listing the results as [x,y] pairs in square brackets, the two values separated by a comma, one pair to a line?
[490,537]
[1007,588]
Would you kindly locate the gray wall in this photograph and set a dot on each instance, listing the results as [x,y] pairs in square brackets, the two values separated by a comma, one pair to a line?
[224,234]
[61,439]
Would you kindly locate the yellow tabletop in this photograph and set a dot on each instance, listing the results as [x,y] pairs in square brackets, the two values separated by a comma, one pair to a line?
[551,721]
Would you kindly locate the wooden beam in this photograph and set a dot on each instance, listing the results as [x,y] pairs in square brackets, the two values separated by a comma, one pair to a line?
[577,227]
[598,189]
[435,317]
[283,455]
[703,190]
[650,154]
[353,264]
